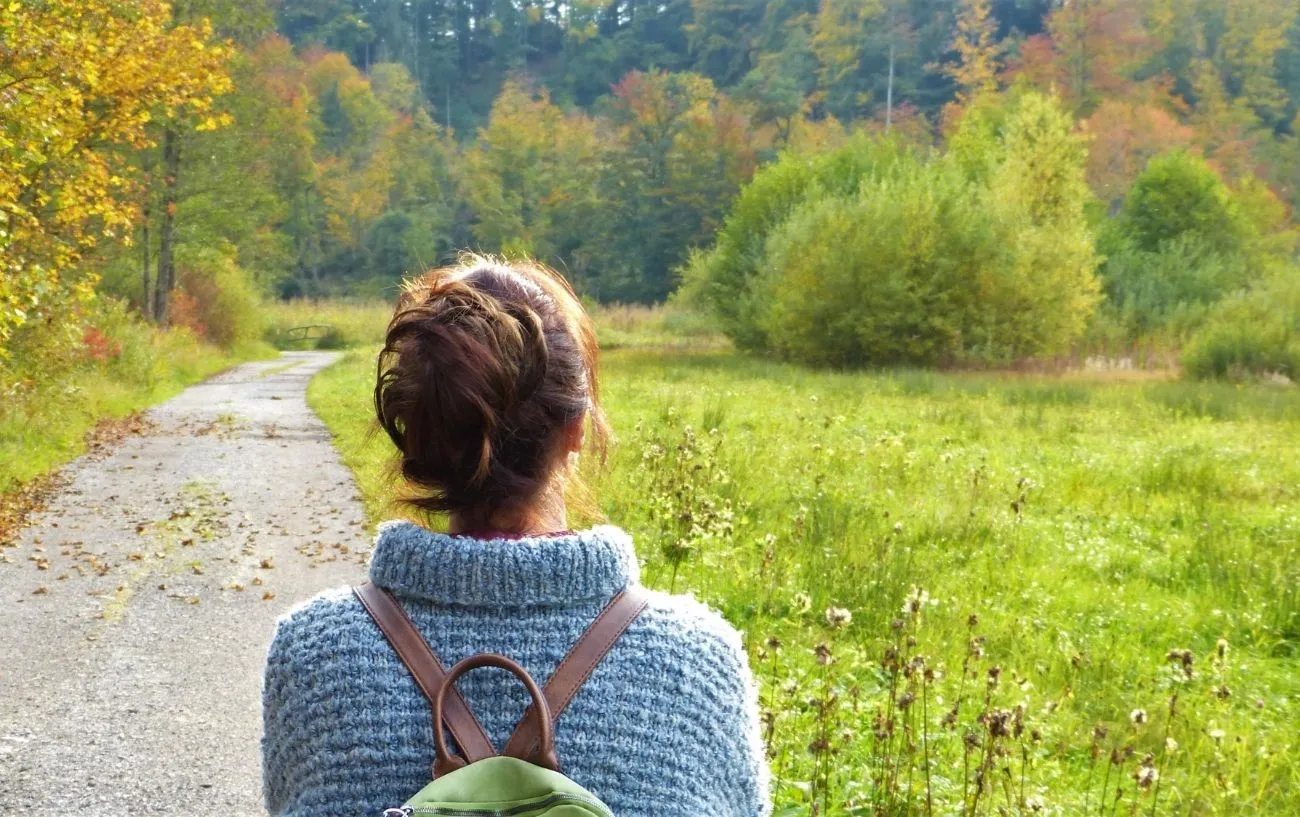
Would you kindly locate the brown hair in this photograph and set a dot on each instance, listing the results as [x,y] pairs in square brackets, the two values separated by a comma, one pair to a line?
[483,367]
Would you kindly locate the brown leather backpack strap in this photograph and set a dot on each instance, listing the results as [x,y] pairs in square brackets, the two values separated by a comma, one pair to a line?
[578,665]
[418,657]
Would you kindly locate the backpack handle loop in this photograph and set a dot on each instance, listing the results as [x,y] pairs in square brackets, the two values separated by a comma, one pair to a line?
[544,756]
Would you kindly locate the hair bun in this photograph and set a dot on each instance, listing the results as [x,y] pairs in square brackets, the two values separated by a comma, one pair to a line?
[482,366]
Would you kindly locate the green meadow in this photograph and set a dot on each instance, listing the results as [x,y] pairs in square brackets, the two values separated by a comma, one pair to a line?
[966,593]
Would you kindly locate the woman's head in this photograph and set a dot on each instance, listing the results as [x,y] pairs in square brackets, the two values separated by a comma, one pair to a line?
[485,384]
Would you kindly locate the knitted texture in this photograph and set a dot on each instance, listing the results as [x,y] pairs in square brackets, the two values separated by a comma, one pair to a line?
[666,725]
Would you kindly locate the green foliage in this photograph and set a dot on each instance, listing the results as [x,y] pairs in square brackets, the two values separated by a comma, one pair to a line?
[887,276]
[876,255]
[1179,194]
[1150,290]
[720,278]
[1254,333]
[216,299]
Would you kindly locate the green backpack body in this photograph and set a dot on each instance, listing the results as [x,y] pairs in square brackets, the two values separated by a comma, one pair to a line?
[525,779]
[500,786]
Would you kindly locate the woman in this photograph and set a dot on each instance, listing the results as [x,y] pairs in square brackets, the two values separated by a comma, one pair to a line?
[487,386]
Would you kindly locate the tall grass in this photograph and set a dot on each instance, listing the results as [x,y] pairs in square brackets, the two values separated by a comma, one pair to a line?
[57,385]
[970,594]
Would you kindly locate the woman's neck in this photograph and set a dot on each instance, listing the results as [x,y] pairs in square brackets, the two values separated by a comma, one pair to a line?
[546,514]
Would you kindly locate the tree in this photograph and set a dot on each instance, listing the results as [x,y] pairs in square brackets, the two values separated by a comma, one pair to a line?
[1254,33]
[1179,194]
[79,83]
[975,70]
[681,151]
[530,178]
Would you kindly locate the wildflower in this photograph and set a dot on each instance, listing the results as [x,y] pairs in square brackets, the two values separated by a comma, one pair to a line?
[838,617]
[1183,657]
[898,527]
[1222,648]
[906,700]
[802,602]
[823,653]
[997,721]
[1147,774]
[1138,717]
[1099,732]
[1221,692]
[1034,803]
[917,598]
[1171,745]
[773,643]
[994,674]
[1217,735]
[972,621]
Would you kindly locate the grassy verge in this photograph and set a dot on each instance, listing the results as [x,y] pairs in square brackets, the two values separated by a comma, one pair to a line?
[1061,589]
[46,425]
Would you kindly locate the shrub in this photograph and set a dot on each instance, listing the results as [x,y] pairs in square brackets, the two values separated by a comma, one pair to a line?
[718,280]
[1147,289]
[1179,194]
[215,299]
[1251,333]
[889,276]
[874,254]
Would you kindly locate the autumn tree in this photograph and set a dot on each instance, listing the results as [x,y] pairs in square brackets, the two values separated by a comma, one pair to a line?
[79,83]
[530,178]
[977,51]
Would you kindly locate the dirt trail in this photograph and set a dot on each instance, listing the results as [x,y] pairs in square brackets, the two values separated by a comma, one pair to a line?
[136,610]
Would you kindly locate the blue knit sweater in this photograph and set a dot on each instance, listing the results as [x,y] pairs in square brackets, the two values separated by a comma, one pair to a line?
[666,725]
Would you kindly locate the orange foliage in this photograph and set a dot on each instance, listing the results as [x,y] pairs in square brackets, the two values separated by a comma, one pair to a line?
[1125,136]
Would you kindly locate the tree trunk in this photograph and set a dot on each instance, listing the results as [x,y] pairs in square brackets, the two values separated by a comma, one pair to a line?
[166,277]
[146,297]
[889,93]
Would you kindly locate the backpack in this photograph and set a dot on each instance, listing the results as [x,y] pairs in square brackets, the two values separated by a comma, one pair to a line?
[524,780]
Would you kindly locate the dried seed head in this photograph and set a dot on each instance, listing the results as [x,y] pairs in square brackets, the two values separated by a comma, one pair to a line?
[906,700]
[823,653]
[773,643]
[1138,717]
[838,617]
[994,674]
[1221,647]
[1034,803]
[1146,774]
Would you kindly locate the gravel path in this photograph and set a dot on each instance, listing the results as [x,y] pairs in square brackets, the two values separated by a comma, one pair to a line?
[136,610]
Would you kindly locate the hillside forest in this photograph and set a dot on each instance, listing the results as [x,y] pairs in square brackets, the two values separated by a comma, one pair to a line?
[837,182]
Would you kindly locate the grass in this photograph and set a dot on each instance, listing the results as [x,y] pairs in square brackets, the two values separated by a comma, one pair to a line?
[45,423]
[1024,560]
[348,324]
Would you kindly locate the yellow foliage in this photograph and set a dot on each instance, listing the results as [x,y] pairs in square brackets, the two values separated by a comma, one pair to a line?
[80,80]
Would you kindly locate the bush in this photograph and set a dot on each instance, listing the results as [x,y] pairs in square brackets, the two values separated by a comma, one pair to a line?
[1148,289]
[1179,194]
[1255,333]
[215,299]
[873,254]
[889,276]
[719,279]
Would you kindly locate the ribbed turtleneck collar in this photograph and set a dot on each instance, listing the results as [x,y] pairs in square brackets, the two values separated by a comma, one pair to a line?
[531,571]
